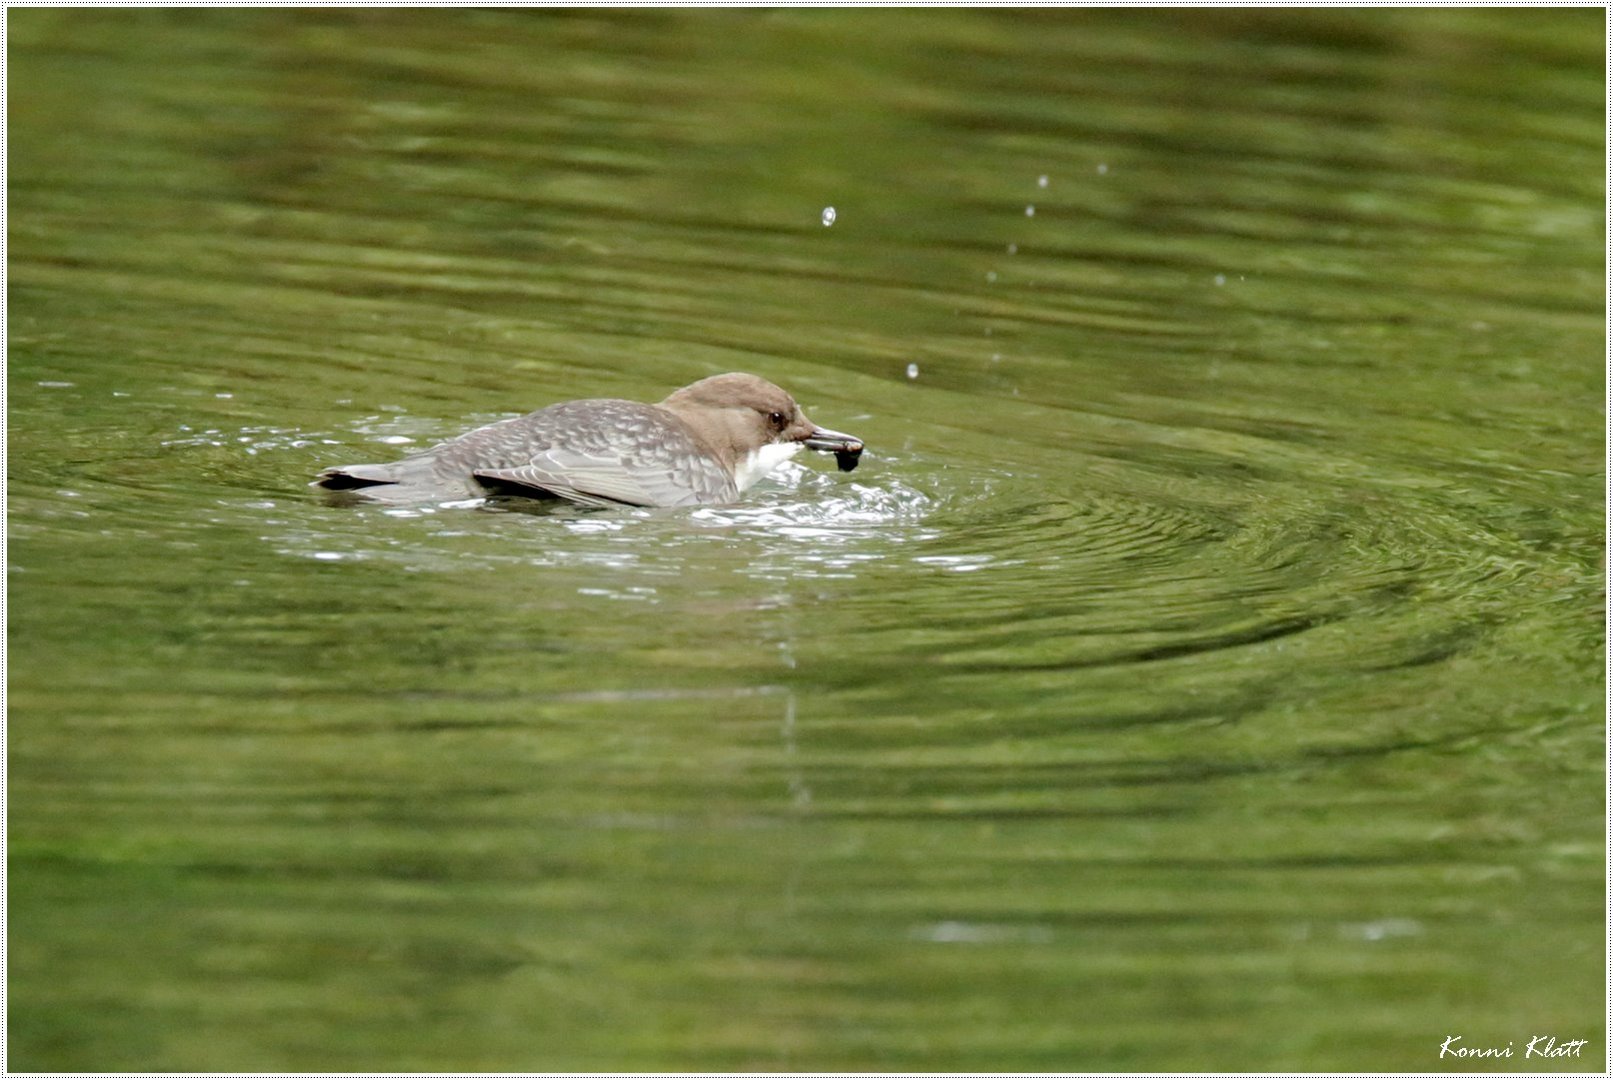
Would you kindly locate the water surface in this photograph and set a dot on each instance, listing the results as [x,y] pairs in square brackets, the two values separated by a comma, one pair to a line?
[1204,670]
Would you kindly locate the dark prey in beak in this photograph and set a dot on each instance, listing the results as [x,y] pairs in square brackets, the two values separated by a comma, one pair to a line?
[846,448]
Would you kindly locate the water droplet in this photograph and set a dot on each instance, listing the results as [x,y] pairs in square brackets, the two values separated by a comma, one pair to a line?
[1103,169]
[912,371]
[1220,279]
[828,216]
[991,275]
[1013,249]
[1041,181]
[1030,211]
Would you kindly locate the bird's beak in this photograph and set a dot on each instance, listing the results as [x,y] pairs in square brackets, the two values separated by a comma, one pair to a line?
[846,448]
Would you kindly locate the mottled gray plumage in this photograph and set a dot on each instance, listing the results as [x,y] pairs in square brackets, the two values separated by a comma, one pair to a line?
[704,444]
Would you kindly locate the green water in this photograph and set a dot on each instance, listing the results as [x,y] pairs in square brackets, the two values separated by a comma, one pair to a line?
[1204,670]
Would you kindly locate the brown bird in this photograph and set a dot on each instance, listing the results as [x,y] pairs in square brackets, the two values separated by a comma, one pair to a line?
[703,445]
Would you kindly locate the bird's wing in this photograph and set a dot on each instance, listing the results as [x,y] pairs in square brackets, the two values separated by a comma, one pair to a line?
[582,478]
[602,452]
[612,477]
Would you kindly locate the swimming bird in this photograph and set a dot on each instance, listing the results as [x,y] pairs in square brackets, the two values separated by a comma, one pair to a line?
[702,445]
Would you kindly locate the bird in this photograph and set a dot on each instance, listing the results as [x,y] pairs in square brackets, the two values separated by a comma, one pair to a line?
[702,445]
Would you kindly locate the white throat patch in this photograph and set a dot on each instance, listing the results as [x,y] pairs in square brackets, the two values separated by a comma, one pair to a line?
[758,463]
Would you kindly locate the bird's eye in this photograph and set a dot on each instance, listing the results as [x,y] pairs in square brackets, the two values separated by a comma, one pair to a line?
[776,419]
